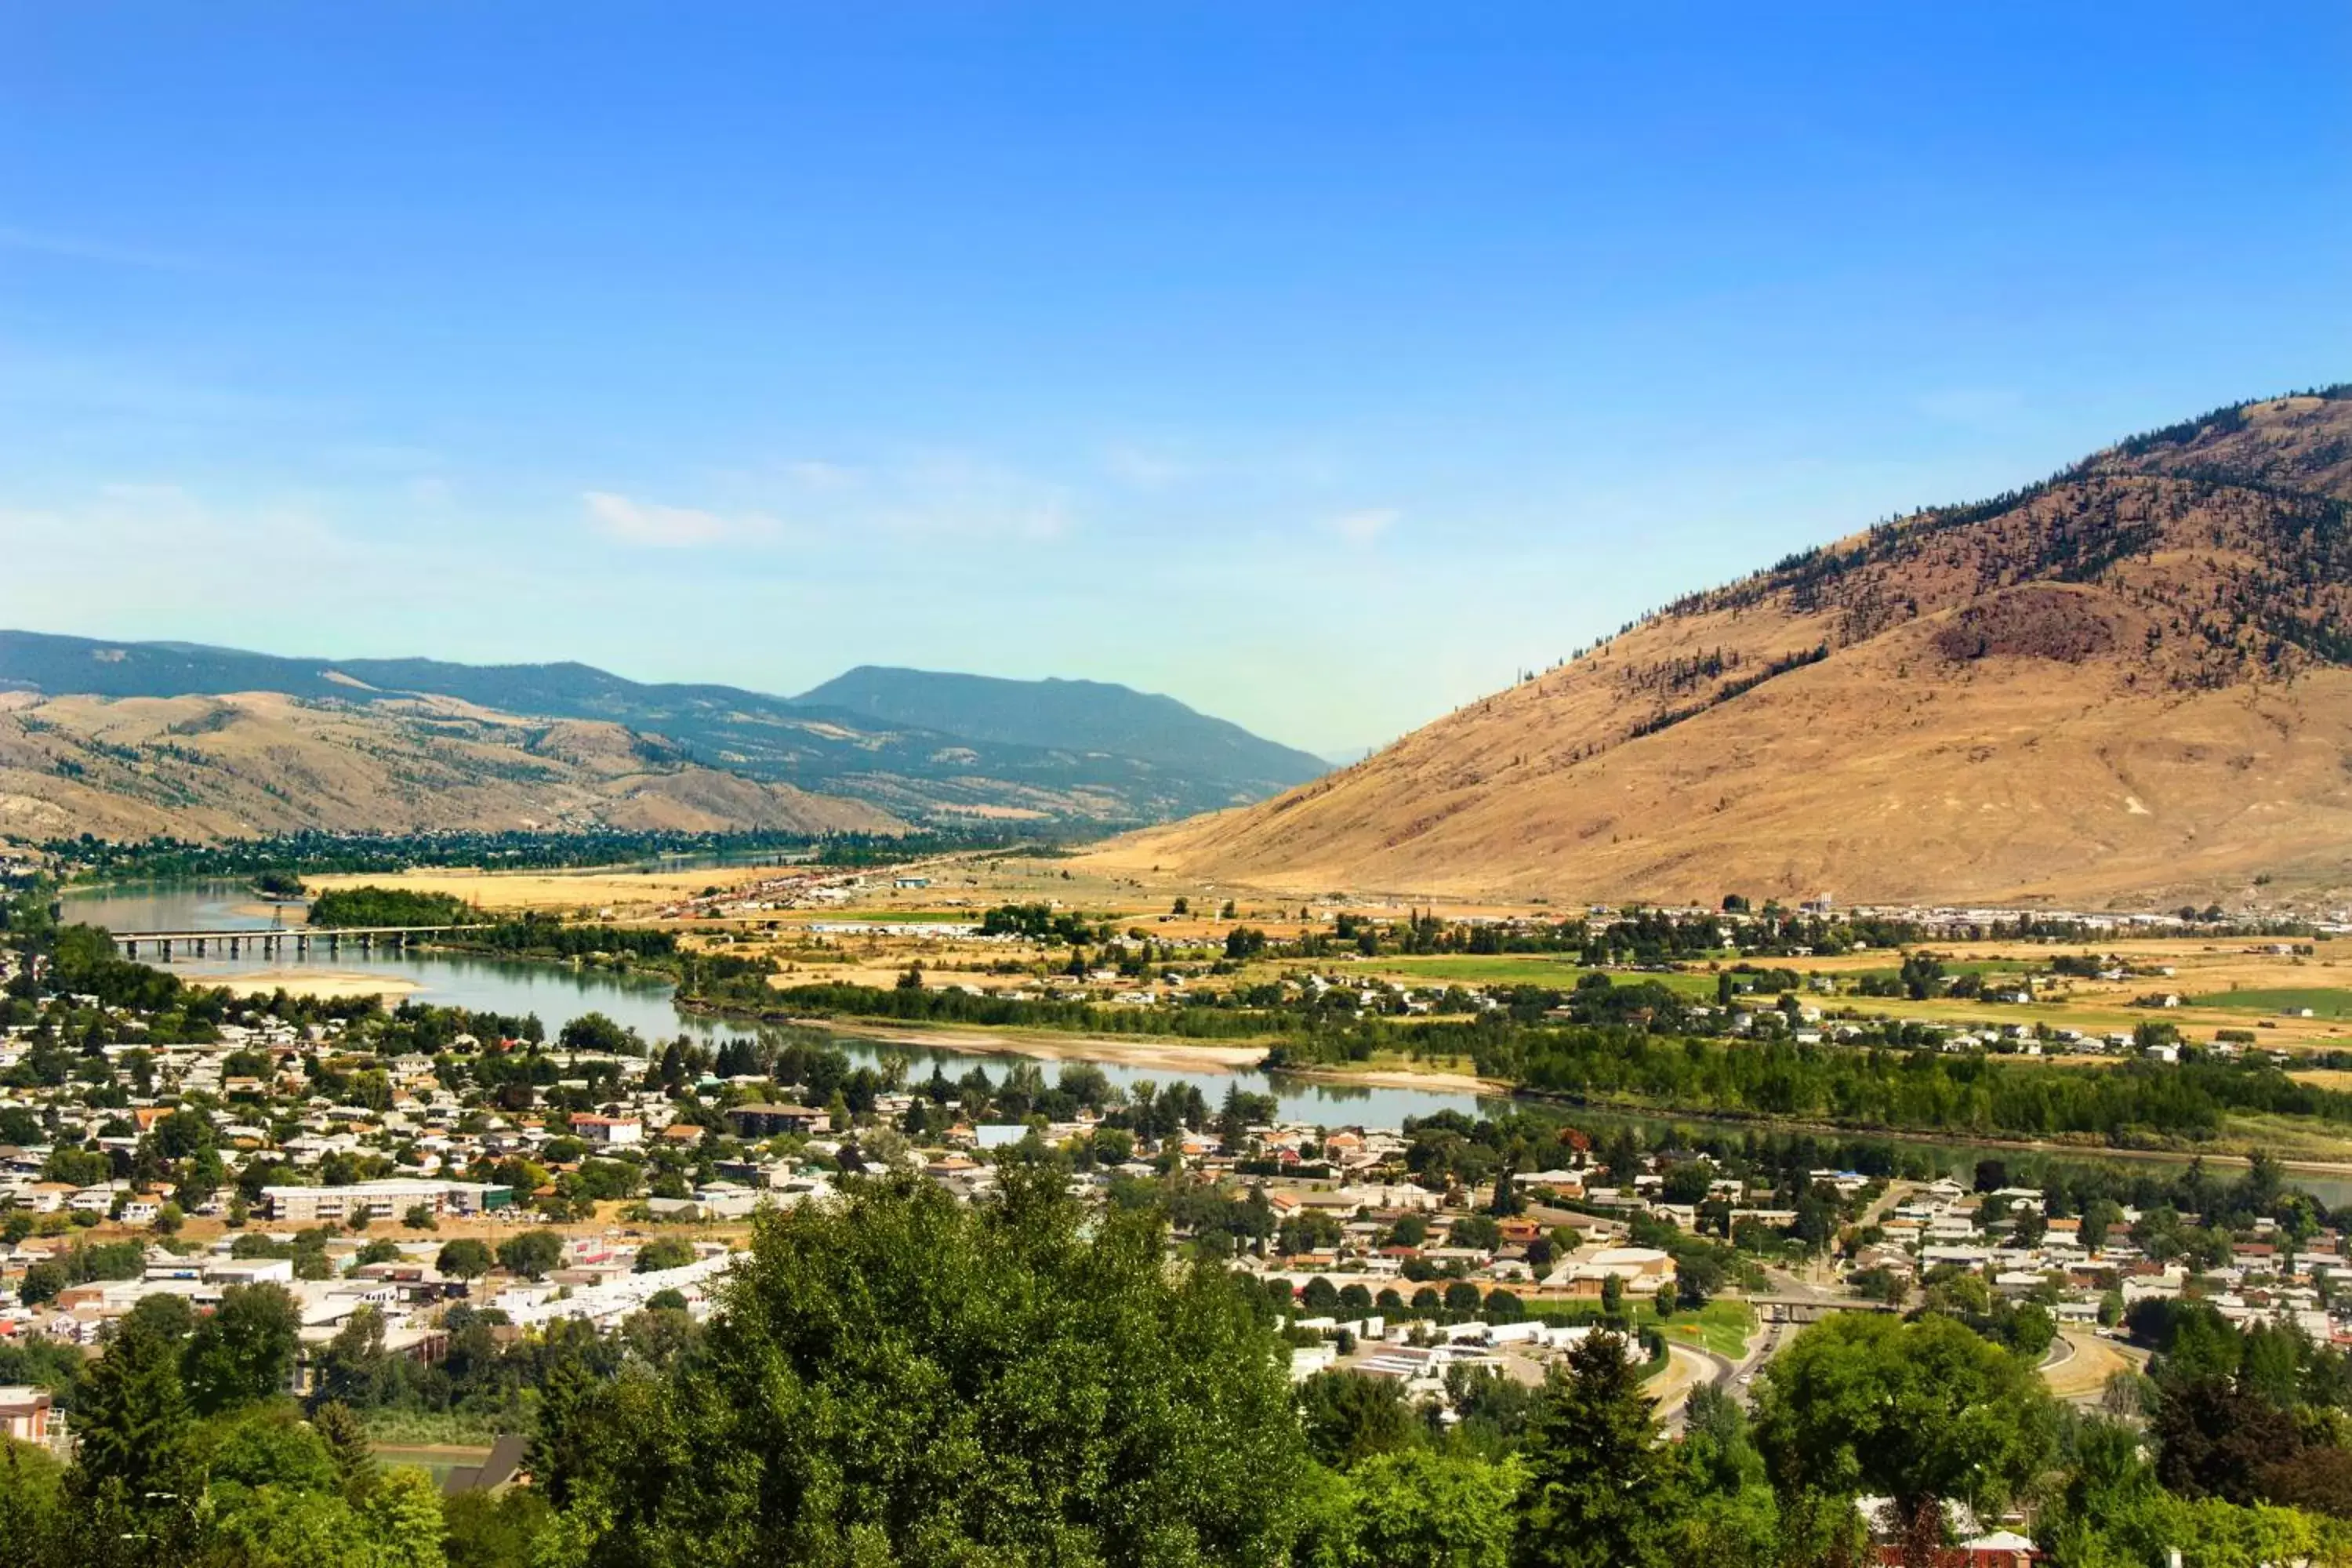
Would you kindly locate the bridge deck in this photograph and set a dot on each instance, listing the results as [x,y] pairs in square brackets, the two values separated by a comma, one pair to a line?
[290,931]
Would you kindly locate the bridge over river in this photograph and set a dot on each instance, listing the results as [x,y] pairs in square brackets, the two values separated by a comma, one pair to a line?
[301,940]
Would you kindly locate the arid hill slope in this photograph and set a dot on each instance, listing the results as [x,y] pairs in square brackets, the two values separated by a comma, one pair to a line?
[2131,683]
[250,763]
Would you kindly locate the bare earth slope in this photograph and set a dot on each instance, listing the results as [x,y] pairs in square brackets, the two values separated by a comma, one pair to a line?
[2131,683]
[264,761]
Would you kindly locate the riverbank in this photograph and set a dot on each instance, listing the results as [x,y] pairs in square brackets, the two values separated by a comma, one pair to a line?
[2228,1157]
[1169,1054]
[311,985]
[1130,1051]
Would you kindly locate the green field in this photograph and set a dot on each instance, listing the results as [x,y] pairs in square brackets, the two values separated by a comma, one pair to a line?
[1722,1326]
[2326,1002]
[1525,969]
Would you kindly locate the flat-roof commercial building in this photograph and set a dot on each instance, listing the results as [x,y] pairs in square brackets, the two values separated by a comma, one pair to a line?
[386,1199]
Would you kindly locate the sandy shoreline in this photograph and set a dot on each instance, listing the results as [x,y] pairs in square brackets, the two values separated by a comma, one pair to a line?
[312,983]
[1174,1055]
[1170,1055]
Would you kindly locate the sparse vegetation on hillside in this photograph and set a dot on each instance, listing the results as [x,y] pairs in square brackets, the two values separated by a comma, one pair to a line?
[2071,691]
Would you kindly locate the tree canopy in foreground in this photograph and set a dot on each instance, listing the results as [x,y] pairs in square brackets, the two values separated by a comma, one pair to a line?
[905,1379]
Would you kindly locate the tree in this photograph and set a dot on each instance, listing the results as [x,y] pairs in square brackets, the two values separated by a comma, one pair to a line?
[1475,1230]
[1601,1489]
[268,1446]
[353,1368]
[664,1253]
[500,1531]
[1920,1412]
[32,1493]
[593,1034]
[420,1216]
[1347,1417]
[401,1513]
[276,1525]
[1420,1510]
[1000,1382]
[133,1417]
[200,1177]
[533,1255]
[339,1428]
[170,1316]
[244,1351]
[464,1259]
[42,1283]
[2215,1440]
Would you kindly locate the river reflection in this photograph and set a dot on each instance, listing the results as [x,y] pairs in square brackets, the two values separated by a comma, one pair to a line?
[560,993]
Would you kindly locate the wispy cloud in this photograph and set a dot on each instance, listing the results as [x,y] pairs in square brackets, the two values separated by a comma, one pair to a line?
[1144,467]
[144,542]
[1362,527]
[658,527]
[79,248]
[944,497]
[816,476]
[951,495]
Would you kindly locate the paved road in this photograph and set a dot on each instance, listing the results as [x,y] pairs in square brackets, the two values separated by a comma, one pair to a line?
[2080,1370]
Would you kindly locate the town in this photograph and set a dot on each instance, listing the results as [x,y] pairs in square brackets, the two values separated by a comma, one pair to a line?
[404,1181]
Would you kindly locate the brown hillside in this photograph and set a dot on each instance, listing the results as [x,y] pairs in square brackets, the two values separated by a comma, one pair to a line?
[2133,682]
[203,767]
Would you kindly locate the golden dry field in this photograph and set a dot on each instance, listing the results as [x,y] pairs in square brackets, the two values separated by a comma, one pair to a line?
[629,894]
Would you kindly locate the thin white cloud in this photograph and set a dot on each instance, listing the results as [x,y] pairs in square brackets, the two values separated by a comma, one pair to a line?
[658,527]
[1363,527]
[78,247]
[1144,467]
[130,546]
[824,477]
[953,496]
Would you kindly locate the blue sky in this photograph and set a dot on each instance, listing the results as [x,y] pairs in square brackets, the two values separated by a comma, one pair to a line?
[1319,365]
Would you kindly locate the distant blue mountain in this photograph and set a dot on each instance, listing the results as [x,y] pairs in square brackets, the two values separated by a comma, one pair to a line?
[1069,715]
[923,746]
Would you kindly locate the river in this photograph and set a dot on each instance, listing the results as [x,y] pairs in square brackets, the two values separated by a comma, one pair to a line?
[560,993]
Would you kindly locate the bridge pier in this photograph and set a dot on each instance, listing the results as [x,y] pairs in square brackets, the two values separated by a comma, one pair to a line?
[272,941]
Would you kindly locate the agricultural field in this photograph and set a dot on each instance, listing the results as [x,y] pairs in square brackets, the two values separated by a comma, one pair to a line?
[2323,1001]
